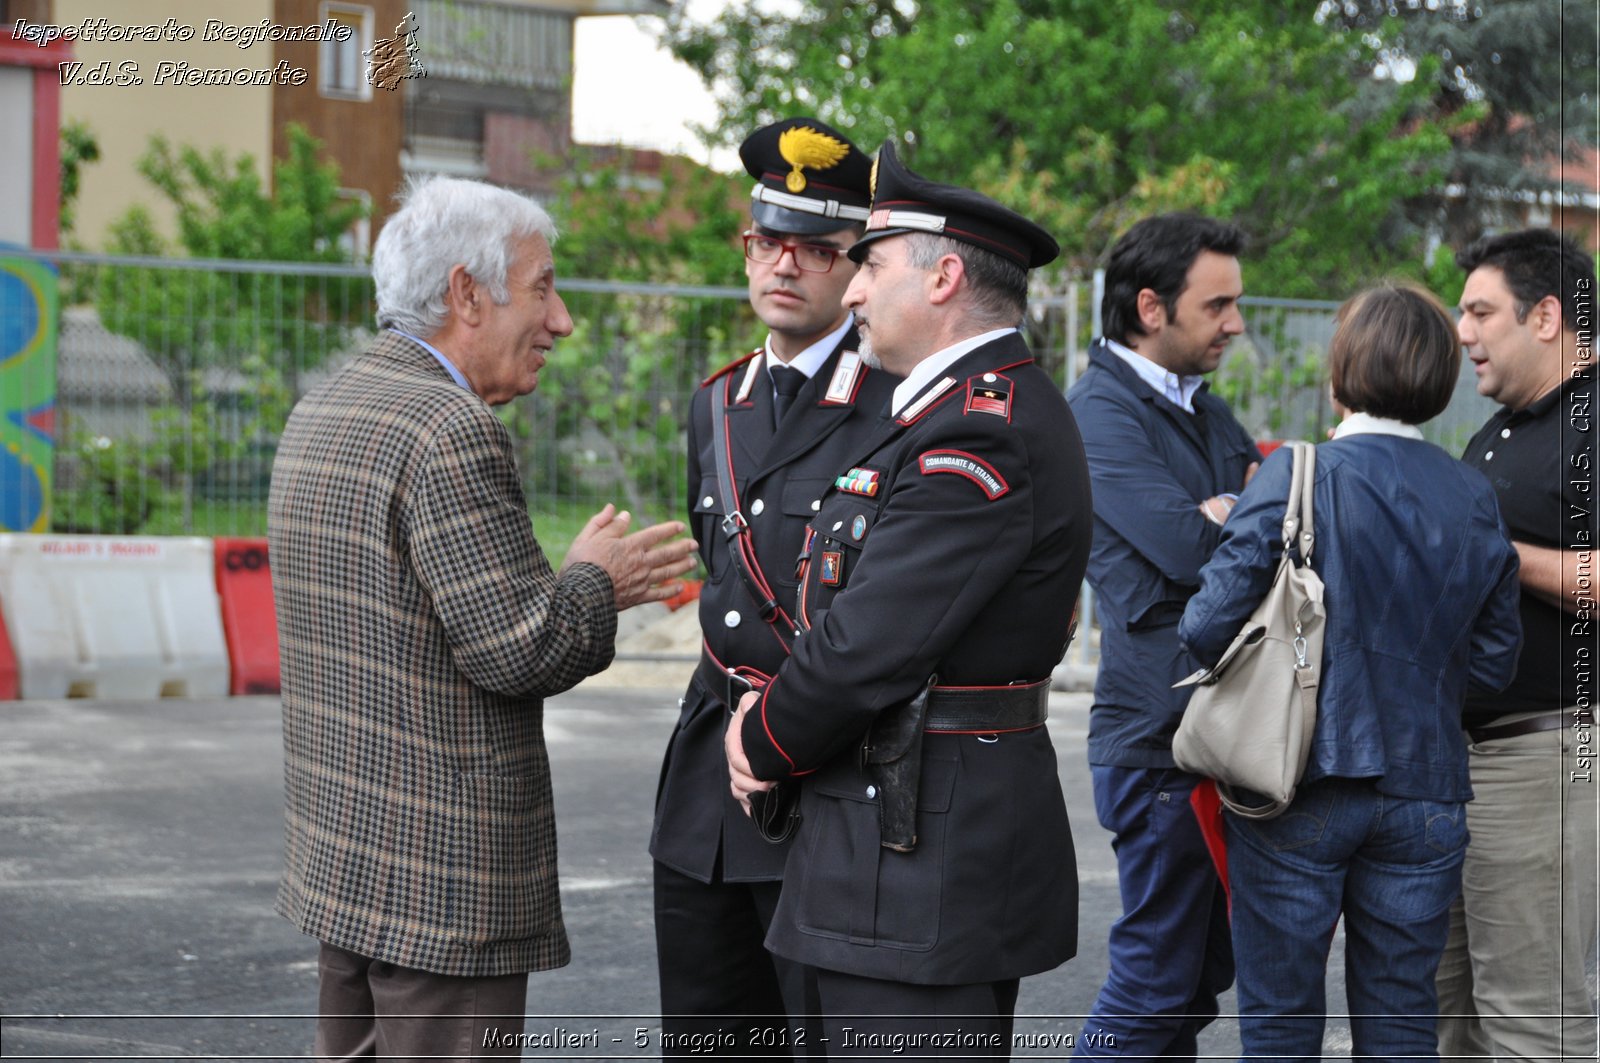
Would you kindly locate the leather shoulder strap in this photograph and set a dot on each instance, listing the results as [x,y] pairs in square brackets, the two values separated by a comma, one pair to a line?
[735,529]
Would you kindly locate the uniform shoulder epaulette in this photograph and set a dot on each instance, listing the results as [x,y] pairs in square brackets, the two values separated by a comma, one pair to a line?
[730,367]
[989,393]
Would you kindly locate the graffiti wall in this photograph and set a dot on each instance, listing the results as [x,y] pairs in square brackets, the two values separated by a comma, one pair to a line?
[28,315]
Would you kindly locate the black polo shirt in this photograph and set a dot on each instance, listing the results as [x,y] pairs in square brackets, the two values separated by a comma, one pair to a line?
[1542,463]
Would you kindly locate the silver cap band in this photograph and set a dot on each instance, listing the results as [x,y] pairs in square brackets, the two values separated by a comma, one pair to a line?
[905,219]
[828,208]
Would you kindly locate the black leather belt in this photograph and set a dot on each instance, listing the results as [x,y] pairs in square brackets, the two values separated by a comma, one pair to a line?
[728,687]
[1554,721]
[978,710]
[988,710]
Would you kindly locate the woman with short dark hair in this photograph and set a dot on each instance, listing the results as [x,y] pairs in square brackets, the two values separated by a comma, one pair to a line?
[1420,586]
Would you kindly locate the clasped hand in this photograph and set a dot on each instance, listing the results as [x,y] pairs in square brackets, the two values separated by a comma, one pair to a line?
[741,781]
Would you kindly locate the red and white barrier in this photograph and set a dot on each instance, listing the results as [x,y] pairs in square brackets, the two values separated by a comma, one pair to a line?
[113,617]
[8,664]
[249,623]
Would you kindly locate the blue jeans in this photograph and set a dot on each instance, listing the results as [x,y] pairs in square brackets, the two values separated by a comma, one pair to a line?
[1392,865]
[1170,953]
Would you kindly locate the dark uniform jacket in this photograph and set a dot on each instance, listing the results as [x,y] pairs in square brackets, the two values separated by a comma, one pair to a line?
[1153,463]
[420,627]
[781,477]
[953,546]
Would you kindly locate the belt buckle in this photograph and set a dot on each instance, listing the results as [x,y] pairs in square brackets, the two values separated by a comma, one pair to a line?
[738,687]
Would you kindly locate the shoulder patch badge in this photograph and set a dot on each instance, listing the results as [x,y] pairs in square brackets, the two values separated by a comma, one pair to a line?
[859,481]
[971,466]
[989,393]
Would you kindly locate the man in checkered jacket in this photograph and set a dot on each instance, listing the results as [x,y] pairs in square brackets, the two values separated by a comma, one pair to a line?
[421,627]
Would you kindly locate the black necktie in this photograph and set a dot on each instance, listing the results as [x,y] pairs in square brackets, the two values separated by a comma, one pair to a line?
[787,383]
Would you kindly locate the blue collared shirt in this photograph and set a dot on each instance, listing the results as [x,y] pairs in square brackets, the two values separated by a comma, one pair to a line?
[449,366]
[1179,390]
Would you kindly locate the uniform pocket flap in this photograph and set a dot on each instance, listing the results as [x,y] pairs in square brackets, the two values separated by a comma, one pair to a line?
[707,499]
[803,497]
[937,787]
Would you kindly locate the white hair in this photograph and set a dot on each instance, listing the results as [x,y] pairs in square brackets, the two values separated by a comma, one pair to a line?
[444,222]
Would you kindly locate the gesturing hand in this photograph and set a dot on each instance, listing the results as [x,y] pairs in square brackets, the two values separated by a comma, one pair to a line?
[639,564]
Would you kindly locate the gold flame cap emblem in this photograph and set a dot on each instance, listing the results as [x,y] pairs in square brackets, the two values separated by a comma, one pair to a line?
[803,146]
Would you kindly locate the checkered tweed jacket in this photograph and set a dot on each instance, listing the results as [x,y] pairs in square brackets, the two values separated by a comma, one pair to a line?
[420,627]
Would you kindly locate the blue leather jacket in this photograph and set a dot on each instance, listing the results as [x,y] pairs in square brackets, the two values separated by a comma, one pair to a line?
[1151,464]
[1421,593]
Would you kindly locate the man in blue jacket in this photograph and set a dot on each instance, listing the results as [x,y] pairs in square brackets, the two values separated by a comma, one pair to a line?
[1166,461]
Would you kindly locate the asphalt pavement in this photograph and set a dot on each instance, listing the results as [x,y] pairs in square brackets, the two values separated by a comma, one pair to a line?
[140,846]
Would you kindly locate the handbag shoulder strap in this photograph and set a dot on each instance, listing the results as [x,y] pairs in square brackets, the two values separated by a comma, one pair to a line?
[1298,524]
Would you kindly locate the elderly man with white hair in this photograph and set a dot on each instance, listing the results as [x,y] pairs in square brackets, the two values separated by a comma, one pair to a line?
[421,627]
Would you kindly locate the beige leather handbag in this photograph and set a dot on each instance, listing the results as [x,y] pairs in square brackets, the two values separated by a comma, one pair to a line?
[1250,720]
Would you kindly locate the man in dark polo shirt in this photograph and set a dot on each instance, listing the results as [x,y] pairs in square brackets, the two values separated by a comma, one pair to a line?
[1511,984]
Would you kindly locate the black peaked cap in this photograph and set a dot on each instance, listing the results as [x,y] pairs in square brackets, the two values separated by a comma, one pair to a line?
[905,202]
[809,178]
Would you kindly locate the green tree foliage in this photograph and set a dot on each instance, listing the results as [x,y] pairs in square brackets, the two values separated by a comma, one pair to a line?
[189,321]
[79,147]
[1516,78]
[618,388]
[1089,115]
[224,340]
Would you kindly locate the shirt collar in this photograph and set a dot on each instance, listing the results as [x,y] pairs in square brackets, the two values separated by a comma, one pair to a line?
[1543,404]
[449,366]
[1355,424]
[810,360]
[1177,389]
[924,372]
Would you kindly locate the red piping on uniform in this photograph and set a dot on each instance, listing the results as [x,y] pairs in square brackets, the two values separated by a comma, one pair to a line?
[1004,250]
[768,729]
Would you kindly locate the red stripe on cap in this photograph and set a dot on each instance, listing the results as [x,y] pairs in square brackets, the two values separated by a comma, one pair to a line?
[1004,249]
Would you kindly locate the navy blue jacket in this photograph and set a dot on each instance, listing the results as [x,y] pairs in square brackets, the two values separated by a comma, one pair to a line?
[1151,465]
[1421,593]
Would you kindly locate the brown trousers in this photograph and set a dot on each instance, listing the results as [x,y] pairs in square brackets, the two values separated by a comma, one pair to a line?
[371,1009]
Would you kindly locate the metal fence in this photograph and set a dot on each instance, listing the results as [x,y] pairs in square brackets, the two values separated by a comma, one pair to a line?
[173,379]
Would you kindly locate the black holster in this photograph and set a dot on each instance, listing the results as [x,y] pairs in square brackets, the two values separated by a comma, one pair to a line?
[892,757]
[776,812]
